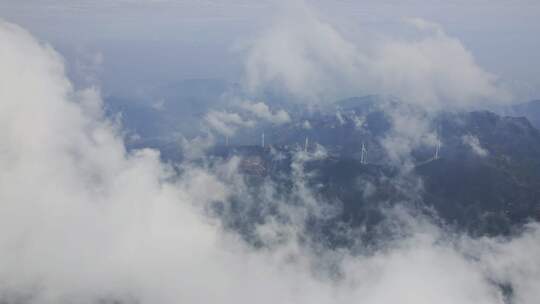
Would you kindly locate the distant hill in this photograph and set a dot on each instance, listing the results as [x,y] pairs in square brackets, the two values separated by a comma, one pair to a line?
[485,181]
[530,110]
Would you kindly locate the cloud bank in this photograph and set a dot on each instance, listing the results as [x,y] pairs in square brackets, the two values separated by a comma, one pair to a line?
[245,114]
[303,55]
[262,111]
[85,221]
[226,123]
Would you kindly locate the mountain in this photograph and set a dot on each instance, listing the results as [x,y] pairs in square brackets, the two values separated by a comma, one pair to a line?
[486,179]
[490,192]
[530,110]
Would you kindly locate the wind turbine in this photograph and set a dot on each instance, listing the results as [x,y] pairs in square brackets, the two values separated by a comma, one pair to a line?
[363,156]
[437,149]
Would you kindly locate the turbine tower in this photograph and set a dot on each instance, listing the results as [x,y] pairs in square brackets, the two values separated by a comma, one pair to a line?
[306,144]
[262,140]
[437,149]
[363,156]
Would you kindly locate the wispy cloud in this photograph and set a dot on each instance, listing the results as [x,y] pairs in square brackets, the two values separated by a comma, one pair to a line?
[309,58]
[262,111]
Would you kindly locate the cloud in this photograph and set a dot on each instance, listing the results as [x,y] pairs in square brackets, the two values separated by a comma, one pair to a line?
[301,55]
[474,143]
[340,118]
[410,129]
[304,56]
[261,110]
[196,147]
[85,221]
[226,123]
[308,58]
[435,71]
[425,25]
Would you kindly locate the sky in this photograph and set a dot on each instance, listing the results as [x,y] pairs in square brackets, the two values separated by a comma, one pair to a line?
[128,45]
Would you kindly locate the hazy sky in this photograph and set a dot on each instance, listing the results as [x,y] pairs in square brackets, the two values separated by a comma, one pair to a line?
[127,44]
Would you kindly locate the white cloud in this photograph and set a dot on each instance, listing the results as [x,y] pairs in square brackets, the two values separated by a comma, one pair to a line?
[340,118]
[302,55]
[359,121]
[261,110]
[435,71]
[425,25]
[409,130]
[196,147]
[226,123]
[474,143]
[308,58]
